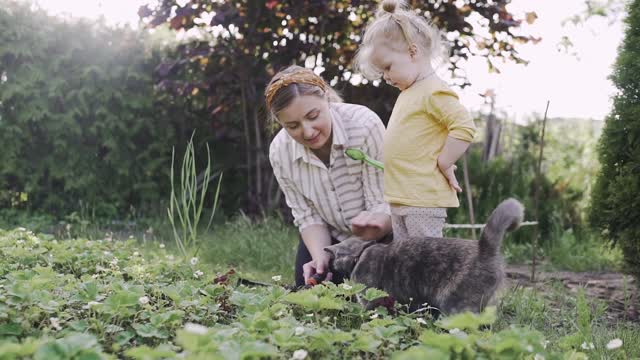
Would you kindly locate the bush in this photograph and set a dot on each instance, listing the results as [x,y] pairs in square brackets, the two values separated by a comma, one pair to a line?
[615,206]
[514,175]
[78,116]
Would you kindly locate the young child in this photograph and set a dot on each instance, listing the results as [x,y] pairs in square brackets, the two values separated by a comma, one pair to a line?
[428,129]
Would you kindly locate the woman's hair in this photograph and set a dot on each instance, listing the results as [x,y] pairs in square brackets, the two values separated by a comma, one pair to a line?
[292,82]
[399,28]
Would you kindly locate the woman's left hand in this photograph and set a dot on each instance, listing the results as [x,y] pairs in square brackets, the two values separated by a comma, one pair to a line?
[371,225]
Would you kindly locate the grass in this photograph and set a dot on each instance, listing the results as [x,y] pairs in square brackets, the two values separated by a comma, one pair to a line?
[567,320]
[262,249]
[268,246]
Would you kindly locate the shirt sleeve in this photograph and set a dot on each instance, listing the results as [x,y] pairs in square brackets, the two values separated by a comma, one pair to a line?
[303,211]
[447,109]
[372,178]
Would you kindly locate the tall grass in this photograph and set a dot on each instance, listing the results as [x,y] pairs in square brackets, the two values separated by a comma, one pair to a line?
[187,200]
[260,249]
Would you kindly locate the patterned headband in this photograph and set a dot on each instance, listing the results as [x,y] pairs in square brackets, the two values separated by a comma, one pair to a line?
[302,76]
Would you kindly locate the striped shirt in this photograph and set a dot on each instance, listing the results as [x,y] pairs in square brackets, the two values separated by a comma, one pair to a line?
[333,196]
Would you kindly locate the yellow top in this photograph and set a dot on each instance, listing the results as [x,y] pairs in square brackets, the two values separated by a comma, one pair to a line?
[423,117]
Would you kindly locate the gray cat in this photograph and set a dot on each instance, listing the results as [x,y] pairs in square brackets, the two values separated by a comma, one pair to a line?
[452,275]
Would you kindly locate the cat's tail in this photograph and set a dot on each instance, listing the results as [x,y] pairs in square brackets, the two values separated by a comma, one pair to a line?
[506,217]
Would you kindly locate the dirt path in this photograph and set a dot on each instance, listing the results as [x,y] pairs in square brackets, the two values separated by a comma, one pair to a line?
[607,286]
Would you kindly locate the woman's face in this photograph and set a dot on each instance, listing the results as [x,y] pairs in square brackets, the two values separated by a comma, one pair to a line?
[308,121]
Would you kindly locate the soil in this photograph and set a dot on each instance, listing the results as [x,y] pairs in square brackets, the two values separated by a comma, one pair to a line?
[610,287]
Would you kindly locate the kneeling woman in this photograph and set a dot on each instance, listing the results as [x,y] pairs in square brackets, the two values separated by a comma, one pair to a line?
[330,195]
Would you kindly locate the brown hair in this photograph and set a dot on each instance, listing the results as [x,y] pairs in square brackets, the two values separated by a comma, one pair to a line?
[292,82]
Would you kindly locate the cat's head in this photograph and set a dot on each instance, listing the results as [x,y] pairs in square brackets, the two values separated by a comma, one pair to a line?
[345,254]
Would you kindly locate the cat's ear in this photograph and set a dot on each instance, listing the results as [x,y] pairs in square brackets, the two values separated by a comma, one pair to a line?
[332,250]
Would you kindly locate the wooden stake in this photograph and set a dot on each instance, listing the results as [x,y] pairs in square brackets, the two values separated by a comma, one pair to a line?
[536,198]
[467,189]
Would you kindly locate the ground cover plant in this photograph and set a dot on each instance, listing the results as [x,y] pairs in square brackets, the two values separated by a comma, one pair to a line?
[108,298]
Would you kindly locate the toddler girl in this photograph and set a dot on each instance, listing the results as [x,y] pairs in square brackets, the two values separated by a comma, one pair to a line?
[428,129]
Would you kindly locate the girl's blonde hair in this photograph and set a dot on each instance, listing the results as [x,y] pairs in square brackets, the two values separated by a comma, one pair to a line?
[292,82]
[399,28]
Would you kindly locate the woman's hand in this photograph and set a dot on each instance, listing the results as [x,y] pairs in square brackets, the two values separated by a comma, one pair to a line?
[317,266]
[371,225]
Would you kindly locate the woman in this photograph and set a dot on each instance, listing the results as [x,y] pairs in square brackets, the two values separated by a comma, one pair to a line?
[330,195]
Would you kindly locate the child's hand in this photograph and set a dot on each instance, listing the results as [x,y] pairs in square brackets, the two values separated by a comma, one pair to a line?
[449,173]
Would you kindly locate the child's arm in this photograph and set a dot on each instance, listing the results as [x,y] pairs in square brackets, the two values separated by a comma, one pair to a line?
[453,149]
[446,107]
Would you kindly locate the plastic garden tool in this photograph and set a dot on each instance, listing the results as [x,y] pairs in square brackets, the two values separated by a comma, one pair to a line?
[357,154]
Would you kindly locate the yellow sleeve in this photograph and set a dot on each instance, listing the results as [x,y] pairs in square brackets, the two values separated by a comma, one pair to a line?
[447,109]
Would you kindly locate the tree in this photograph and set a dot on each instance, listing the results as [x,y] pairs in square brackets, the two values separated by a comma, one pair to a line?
[615,206]
[239,44]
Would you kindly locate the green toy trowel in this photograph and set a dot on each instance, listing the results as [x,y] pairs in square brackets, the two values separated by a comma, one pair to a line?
[357,154]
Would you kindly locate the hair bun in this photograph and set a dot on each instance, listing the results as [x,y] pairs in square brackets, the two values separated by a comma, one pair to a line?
[389,6]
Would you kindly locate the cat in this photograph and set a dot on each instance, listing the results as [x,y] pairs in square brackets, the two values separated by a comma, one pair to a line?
[451,275]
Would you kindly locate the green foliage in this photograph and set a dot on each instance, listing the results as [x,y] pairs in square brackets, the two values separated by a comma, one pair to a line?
[572,324]
[80,299]
[615,205]
[78,116]
[514,175]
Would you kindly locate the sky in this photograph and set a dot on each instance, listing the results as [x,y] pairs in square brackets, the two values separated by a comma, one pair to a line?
[574,82]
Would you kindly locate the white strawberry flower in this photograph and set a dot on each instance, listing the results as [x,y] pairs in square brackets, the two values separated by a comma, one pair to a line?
[143,300]
[587,346]
[300,354]
[614,344]
[421,321]
[55,323]
[193,261]
[347,286]
[299,330]
[198,274]
[161,246]
[196,329]
[276,278]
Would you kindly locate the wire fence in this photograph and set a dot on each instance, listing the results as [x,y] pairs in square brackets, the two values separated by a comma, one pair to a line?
[480,226]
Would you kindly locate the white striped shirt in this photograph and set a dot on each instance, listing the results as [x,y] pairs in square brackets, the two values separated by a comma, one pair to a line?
[334,196]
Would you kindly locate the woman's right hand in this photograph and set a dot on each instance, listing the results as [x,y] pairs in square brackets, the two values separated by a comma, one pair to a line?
[371,226]
[317,266]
